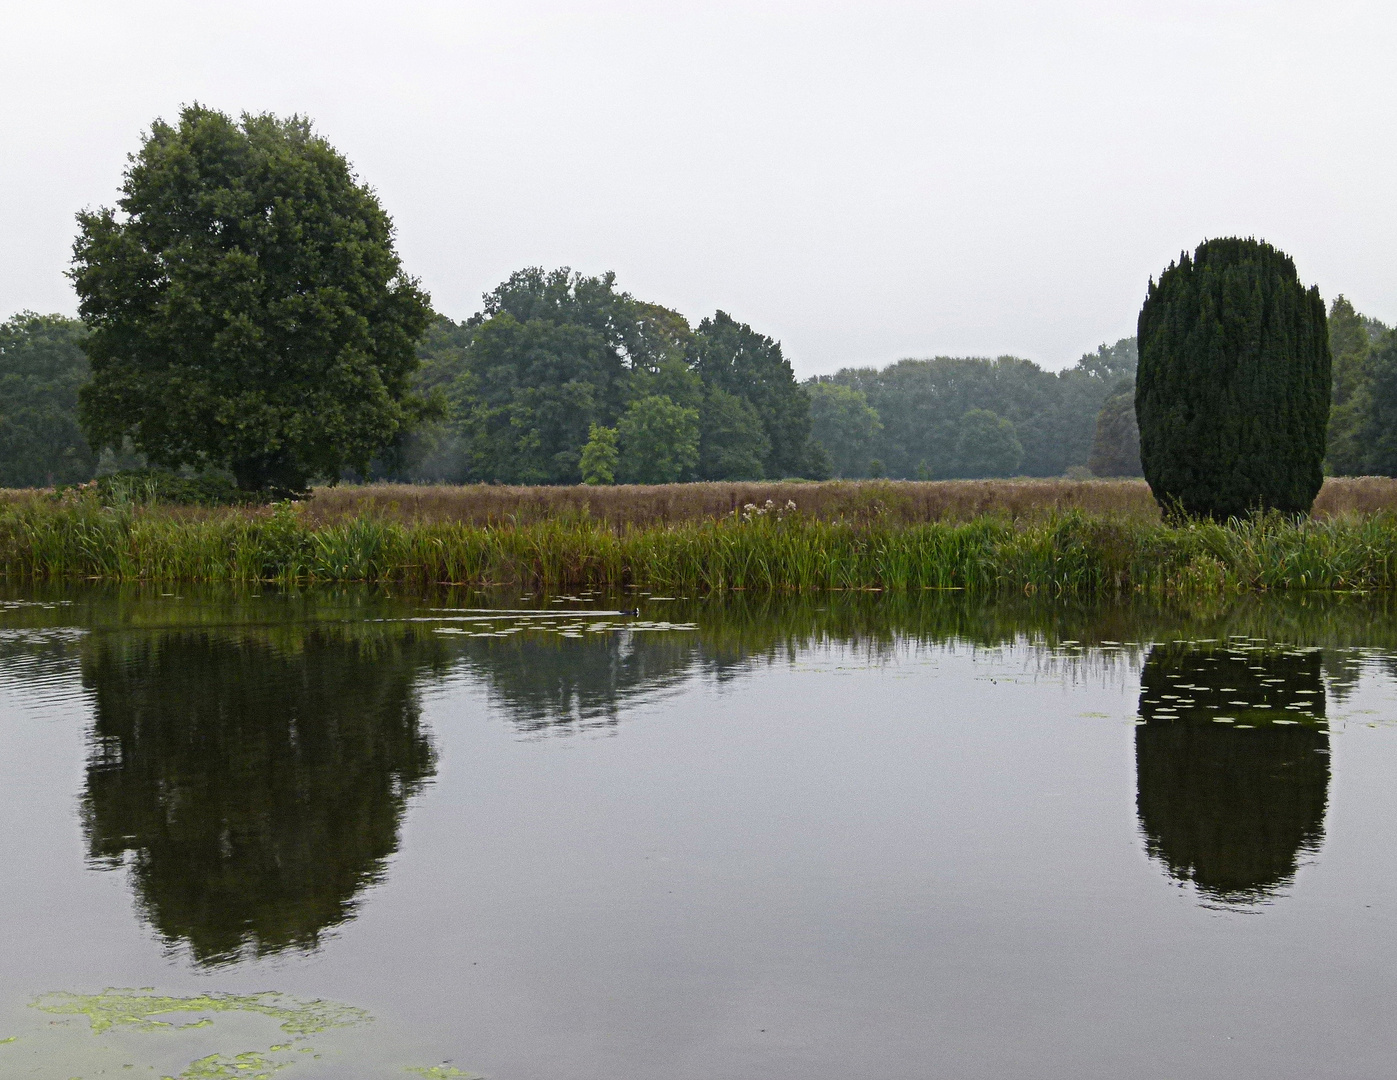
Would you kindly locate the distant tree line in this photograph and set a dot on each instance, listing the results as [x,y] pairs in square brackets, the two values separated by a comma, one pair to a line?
[951,417]
[244,314]
[559,372]
[1363,408]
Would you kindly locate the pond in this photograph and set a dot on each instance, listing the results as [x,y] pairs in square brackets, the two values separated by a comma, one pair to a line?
[362,835]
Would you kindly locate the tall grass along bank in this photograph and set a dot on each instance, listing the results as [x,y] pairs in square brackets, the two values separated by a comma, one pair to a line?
[780,548]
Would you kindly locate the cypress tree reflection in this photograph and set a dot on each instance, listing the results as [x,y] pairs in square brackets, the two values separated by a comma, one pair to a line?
[1232,806]
[253,790]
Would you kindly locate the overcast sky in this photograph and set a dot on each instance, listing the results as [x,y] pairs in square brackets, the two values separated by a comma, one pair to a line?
[863,181]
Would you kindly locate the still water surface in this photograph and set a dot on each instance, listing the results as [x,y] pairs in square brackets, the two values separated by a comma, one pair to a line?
[358,835]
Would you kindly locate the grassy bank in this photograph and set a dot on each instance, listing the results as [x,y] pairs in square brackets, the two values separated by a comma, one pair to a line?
[1068,552]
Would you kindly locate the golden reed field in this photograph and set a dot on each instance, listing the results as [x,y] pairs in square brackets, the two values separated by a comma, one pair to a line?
[907,501]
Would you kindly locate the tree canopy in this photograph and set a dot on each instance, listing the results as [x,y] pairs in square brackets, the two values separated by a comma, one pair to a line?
[247,308]
[1232,395]
[919,405]
[554,356]
[844,424]
[42,367]
[986,446]
[1115,449]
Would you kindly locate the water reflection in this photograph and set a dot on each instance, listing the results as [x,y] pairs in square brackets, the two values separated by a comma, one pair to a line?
[254,790]
[251,758]
[1232,764]
[549,686]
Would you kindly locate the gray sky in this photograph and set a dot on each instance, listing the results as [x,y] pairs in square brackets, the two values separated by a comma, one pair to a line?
[864,181]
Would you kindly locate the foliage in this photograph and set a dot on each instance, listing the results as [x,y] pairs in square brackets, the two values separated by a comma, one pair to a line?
[600,456]
[247,308]
[1350,345]
[144,486]
[842,421]
[733,357]
[1233,388]
[986,445]
[553,352]
[732,442]
[1115,451]
[42,366]
[659,441]
[1377,432]
[529,395]
[1360,440]
[920,404]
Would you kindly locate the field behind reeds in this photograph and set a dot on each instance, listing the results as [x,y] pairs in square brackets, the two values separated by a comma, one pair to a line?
[901,501]
[829,546]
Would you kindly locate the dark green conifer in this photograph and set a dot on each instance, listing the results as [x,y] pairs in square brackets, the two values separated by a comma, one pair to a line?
[1232,394]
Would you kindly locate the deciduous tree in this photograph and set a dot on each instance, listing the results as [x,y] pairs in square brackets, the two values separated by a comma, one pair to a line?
[1115,451]
[42,367]
[842,421]
[987,446]
[247,307]
[659,441]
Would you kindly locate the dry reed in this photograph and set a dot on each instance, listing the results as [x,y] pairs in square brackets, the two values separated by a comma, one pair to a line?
[900,501]
[892,501]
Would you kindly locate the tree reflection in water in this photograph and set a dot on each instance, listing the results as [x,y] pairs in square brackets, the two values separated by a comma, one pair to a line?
[1232,806]
[254,790]
[252,756]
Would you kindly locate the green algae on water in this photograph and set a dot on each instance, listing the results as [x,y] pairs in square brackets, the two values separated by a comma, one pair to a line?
[442,1072]
[251,1065]
[138,1009]
[144,1010]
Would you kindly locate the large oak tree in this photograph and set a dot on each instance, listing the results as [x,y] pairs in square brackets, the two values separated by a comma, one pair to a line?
[247,307]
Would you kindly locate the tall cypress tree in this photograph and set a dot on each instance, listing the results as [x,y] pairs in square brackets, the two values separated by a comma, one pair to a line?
[1232,393]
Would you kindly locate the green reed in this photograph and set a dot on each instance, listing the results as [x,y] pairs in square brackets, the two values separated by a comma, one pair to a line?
[1070,552]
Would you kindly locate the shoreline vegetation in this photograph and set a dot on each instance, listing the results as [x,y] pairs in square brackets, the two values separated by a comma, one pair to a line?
[1054,537]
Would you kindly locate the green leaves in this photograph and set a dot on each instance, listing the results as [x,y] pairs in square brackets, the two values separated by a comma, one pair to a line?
[555,355]
[845,424]
[600,456]
[247,306]
[986,445]
[659,441]
[42,365]
[920,403]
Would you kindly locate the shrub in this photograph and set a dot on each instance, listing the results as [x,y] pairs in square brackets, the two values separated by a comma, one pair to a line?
[143,486]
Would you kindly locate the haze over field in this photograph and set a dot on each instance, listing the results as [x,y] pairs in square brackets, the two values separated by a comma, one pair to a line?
[862,182]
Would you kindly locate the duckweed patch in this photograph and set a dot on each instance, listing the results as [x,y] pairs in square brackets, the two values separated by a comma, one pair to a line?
[138,1009]
[146,1011]
[251,1065]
